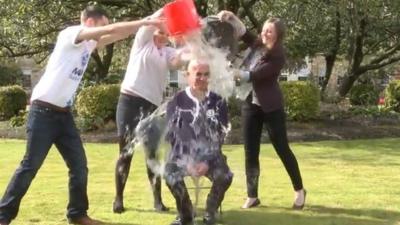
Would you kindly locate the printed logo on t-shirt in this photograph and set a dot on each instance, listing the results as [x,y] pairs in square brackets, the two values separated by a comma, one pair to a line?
[210,113]
[77,72]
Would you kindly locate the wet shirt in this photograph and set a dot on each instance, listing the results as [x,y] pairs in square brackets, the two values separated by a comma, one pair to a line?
[196,130]
[148,66]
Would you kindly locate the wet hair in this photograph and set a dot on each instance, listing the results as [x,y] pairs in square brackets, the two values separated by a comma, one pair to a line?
[197,62]
[194,63]
[94,11]
[280,28]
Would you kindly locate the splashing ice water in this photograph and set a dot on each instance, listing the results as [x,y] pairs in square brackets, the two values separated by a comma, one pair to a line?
[221,80]
[152,129]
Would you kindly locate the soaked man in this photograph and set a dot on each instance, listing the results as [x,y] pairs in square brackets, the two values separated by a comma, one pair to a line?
[197,125]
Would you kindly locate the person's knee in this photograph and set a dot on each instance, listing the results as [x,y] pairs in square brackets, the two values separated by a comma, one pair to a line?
[228,179]
[124,159]
[31,166]
[172,174]
[224,179]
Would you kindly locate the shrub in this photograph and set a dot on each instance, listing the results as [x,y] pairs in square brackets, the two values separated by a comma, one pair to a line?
[369,111]
[112,79]
[12,100]
[364,94]
[20,119]
[10,76]
[234,111]
[96,105]
[392,96]
[301,100]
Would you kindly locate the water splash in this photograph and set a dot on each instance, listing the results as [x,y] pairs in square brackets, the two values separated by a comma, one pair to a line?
[152,130]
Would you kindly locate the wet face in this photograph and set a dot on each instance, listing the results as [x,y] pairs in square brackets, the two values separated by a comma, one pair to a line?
[198,75]
[269,35]
[160,38]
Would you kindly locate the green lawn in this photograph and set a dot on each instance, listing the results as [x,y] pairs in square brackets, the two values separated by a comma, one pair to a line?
[348,183]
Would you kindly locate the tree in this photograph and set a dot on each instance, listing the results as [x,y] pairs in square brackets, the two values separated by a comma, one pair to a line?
[364,32]
[29,27]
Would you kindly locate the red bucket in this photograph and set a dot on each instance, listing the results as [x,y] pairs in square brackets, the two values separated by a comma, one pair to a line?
[181,17]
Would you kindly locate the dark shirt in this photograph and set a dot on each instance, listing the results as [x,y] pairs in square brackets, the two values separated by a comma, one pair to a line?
[264,75]
[196,130]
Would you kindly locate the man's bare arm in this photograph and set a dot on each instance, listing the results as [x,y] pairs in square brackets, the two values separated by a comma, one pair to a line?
[114,32]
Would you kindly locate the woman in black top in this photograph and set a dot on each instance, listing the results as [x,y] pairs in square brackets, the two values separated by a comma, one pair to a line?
[264,105]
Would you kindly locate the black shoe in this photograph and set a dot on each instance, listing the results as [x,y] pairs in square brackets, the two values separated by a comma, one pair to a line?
[209,218]
[178,221]
[160,207]
[300,207]
[118,207]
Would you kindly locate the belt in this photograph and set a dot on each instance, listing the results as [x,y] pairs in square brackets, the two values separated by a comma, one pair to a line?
[51,106]
[130,93]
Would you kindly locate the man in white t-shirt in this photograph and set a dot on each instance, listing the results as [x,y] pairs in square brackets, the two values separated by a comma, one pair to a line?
[50,120]
[141,93]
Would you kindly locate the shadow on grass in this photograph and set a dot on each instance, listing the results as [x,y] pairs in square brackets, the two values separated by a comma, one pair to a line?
[103,222]
[117,223]
[140,210]
[312,215]
[372,213]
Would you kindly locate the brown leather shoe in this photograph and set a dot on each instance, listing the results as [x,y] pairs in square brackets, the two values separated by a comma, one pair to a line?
[84,220]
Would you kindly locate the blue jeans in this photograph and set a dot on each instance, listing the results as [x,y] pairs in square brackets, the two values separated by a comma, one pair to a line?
[46,126]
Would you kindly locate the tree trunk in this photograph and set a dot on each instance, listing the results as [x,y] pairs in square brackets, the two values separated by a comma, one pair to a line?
[246,6]
[347,84]
[103,64]
[330,62]
[330,58]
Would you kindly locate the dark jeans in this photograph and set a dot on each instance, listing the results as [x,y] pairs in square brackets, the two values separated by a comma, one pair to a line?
[253,120]
[45,127]
[130,110]
[218,172]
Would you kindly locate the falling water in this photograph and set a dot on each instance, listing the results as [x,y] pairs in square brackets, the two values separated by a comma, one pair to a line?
[153,128]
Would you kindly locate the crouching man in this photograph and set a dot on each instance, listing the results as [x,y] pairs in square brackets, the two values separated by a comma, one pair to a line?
[197,121]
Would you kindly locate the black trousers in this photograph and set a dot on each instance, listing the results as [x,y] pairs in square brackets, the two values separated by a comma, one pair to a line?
[254,118]
[130,110]
[220,176]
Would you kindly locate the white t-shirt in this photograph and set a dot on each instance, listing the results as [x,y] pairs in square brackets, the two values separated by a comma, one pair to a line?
[148,67]
[64,69]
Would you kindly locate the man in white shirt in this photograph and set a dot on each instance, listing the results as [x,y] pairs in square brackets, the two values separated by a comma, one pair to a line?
[50,119]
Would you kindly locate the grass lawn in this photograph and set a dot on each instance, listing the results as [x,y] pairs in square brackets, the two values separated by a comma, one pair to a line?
[348,183]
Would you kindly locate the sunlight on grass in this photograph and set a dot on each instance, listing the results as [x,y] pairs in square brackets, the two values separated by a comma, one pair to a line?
[348,183]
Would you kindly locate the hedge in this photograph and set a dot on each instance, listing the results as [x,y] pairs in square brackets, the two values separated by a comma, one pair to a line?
[364,94]
[392,96]
[96,105]
[12,100]
[301,100]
